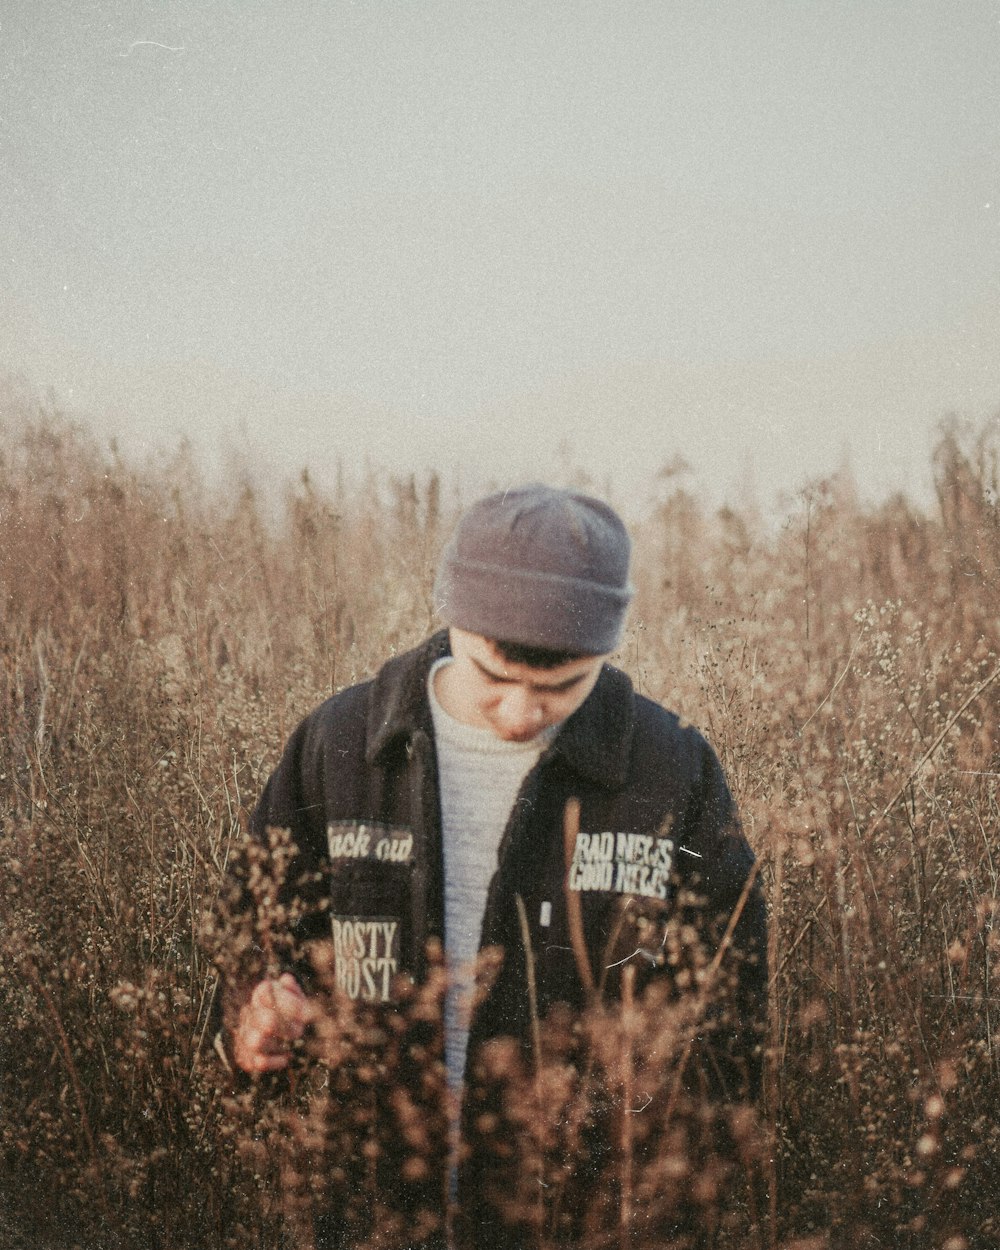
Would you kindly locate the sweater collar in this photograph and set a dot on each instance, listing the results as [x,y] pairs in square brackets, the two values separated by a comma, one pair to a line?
[595,741]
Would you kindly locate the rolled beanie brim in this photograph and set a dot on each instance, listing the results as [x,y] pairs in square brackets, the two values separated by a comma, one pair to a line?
[538,566]
[531,608]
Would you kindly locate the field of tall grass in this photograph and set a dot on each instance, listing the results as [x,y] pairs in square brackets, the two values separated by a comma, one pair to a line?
[160,637]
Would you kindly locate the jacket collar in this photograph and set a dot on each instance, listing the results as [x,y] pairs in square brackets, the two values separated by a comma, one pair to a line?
[596,741]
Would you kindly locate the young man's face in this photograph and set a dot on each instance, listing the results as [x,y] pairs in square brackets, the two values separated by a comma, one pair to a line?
[515,701]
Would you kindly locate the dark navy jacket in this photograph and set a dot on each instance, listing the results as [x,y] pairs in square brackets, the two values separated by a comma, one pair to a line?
[357,787]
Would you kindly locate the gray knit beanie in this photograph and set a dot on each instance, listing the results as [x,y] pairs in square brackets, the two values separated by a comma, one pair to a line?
[540,567]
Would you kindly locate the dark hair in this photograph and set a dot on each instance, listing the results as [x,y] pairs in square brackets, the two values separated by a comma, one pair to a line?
[536,657]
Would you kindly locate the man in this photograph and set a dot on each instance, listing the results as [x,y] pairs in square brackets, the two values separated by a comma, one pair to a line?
[503,787]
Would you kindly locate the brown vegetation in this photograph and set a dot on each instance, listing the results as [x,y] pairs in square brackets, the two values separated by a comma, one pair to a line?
[160,638]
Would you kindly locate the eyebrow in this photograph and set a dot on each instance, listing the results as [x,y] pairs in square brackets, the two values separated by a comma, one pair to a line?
[553,688]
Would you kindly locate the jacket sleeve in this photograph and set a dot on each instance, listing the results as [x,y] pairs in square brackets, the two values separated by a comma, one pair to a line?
[283,803]
[723,872]
[270,900]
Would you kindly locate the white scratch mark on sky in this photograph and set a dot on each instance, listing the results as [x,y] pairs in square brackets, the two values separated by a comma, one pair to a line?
[149,43]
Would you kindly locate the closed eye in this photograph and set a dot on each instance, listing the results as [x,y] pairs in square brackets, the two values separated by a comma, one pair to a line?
[498,679]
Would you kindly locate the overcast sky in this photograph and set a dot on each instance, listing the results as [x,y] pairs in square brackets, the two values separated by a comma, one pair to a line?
[754,235]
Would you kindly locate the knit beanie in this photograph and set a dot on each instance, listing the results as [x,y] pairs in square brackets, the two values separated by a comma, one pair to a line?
[540,567]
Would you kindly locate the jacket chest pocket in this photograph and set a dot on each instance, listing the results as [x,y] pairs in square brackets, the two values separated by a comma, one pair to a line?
[370,919]
[611,911]
[613,932]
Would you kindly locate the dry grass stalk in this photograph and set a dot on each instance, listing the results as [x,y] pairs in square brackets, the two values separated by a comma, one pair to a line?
[159,639]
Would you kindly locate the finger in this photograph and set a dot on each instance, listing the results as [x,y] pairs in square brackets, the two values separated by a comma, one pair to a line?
[256,1052]
[262,996]
[295,1009]
[266,1061]
[288,982]
[282,995]
[275,1009]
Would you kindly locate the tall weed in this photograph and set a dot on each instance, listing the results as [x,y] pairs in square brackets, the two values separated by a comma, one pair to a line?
[161,636]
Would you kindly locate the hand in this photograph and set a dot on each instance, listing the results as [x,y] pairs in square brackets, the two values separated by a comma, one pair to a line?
[274,1016]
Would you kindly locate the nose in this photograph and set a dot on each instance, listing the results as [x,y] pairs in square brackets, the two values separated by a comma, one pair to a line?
[521,714]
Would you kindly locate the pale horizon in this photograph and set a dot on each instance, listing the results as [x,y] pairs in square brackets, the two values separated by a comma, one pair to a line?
[497,241]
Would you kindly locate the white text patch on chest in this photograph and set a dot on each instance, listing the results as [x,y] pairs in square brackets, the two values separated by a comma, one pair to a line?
[366,956]
[350,840]
[622,863]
